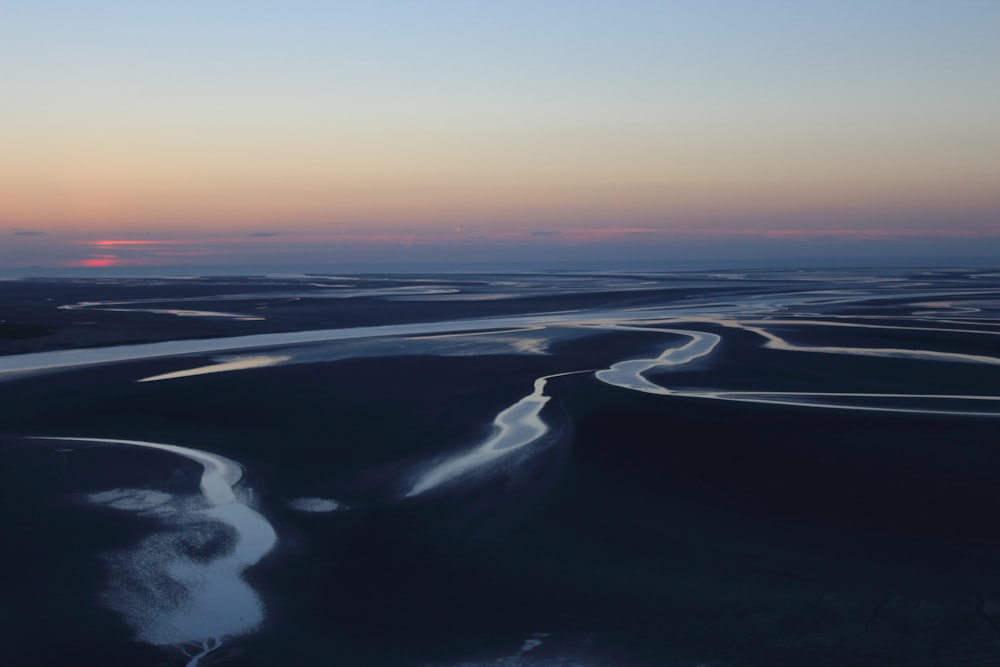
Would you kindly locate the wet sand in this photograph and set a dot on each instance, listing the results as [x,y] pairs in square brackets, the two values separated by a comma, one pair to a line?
[625,527]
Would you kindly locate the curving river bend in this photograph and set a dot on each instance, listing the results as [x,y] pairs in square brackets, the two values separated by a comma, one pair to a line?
[200,604]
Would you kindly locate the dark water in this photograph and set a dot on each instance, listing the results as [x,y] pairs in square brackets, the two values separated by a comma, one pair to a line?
[697,468]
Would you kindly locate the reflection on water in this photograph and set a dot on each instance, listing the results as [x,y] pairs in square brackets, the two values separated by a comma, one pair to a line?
[629,374]
[184,586]
[20,364]
[514,428]
[237,364]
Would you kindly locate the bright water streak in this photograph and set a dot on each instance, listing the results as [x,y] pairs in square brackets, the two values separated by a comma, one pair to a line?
[182,600]
[242,363]
[513,428]
[629,374]
[15,365]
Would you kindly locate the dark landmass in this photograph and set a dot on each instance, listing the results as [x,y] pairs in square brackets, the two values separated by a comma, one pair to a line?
[638,530]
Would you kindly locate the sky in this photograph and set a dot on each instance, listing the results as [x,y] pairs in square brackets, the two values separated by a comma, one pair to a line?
[301,133]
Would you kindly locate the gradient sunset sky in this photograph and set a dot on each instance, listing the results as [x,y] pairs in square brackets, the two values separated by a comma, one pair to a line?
[241,133]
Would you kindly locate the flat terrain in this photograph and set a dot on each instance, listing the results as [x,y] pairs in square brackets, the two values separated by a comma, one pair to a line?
[727,469]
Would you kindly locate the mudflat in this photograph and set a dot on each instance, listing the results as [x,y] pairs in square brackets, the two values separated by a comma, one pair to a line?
[453,475]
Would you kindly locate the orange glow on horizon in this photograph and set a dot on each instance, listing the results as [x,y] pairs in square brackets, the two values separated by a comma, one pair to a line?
[97,262]
[553,235]
[105,261]
[127,242]
[260,246]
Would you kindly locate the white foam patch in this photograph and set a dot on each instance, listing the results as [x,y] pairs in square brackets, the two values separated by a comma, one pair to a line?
[133,500]
[492,342]
[317,505]
[531,345]
[184,585]
[533,642]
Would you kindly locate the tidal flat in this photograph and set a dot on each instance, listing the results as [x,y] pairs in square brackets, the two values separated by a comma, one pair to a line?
[686,468]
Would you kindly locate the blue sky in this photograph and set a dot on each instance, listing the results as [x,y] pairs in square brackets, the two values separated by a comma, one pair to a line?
[235,132]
